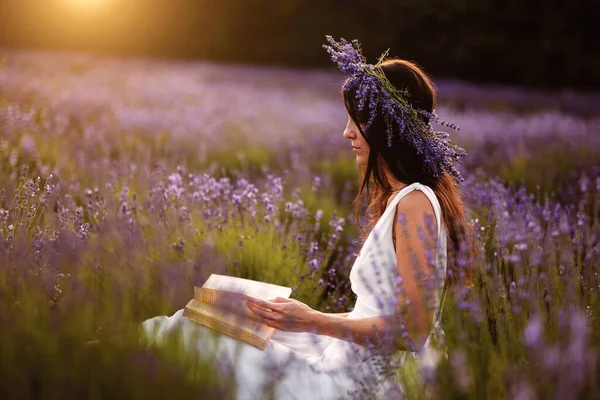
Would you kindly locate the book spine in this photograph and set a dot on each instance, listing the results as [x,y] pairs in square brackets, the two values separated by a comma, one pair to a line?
[225,328]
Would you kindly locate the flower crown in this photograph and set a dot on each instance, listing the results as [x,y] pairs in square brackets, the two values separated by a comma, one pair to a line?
[374,89]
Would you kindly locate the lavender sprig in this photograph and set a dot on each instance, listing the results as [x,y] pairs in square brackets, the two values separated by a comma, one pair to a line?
[374,90]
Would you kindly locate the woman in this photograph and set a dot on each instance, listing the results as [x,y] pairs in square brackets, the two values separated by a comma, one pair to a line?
[400,274]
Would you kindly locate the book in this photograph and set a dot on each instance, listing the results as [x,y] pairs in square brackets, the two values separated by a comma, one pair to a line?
[220,304]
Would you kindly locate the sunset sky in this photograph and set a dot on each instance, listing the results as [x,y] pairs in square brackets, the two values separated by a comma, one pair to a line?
[77,22]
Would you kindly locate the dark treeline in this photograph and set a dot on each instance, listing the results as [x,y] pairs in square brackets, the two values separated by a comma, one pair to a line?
[543,43]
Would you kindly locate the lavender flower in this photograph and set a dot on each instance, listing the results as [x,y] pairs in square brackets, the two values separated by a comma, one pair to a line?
[404,122]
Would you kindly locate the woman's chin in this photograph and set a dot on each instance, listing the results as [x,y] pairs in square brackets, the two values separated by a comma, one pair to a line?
[361,160]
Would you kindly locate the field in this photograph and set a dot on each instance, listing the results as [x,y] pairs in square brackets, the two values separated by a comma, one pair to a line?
[124,182]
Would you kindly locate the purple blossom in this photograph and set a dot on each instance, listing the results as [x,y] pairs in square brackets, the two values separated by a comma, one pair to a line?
[373,90]
[532,335]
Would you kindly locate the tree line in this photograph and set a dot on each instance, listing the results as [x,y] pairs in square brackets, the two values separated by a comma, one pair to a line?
[539,43]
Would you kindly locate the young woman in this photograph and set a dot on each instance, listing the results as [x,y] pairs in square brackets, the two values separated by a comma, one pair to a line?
[415,211]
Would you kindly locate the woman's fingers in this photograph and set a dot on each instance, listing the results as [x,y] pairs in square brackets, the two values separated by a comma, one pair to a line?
[280,300]
[265,303]
[268,315]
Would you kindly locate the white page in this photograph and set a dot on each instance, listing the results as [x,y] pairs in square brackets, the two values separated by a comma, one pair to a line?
[260,290]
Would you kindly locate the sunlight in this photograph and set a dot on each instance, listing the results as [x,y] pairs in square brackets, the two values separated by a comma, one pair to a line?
[86,3]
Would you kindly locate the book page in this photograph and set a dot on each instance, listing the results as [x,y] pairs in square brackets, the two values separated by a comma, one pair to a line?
[239,321]
[260,290]
[226,301]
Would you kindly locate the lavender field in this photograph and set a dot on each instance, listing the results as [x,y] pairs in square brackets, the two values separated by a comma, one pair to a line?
[125,182]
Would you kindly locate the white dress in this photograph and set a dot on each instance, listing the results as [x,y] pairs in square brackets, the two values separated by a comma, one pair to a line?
[310,366]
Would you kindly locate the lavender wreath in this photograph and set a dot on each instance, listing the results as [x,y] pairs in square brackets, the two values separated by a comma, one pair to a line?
[373,89]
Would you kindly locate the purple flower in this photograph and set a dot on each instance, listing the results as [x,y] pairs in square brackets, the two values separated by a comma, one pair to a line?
[318,215]
[532,335]
[404,123]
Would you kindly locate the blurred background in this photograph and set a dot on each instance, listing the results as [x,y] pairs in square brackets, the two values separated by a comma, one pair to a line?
[538,43]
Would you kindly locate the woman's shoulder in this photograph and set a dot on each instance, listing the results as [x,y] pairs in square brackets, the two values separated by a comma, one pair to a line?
[415,201]
[413,204]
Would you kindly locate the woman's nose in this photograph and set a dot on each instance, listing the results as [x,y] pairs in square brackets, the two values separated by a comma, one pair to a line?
[348,133]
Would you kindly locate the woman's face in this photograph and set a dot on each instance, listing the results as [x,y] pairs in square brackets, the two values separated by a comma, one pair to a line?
[359,145]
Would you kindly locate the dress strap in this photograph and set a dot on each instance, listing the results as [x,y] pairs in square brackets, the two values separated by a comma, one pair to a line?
[403,192]
[430,195]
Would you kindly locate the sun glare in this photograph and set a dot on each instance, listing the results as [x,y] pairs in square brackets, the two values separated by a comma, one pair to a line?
[85,3]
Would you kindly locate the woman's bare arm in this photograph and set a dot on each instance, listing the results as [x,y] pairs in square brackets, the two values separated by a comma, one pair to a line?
[409,327]
[339,314]
[362,330]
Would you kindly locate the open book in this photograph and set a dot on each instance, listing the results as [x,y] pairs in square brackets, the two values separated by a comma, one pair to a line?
[220,304]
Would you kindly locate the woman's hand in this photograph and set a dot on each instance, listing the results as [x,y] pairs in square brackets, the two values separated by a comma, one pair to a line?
[284,314]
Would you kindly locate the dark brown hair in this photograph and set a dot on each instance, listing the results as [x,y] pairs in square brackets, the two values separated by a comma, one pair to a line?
[406,166]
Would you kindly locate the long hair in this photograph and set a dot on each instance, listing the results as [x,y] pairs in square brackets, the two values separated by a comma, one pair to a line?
[405,165]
